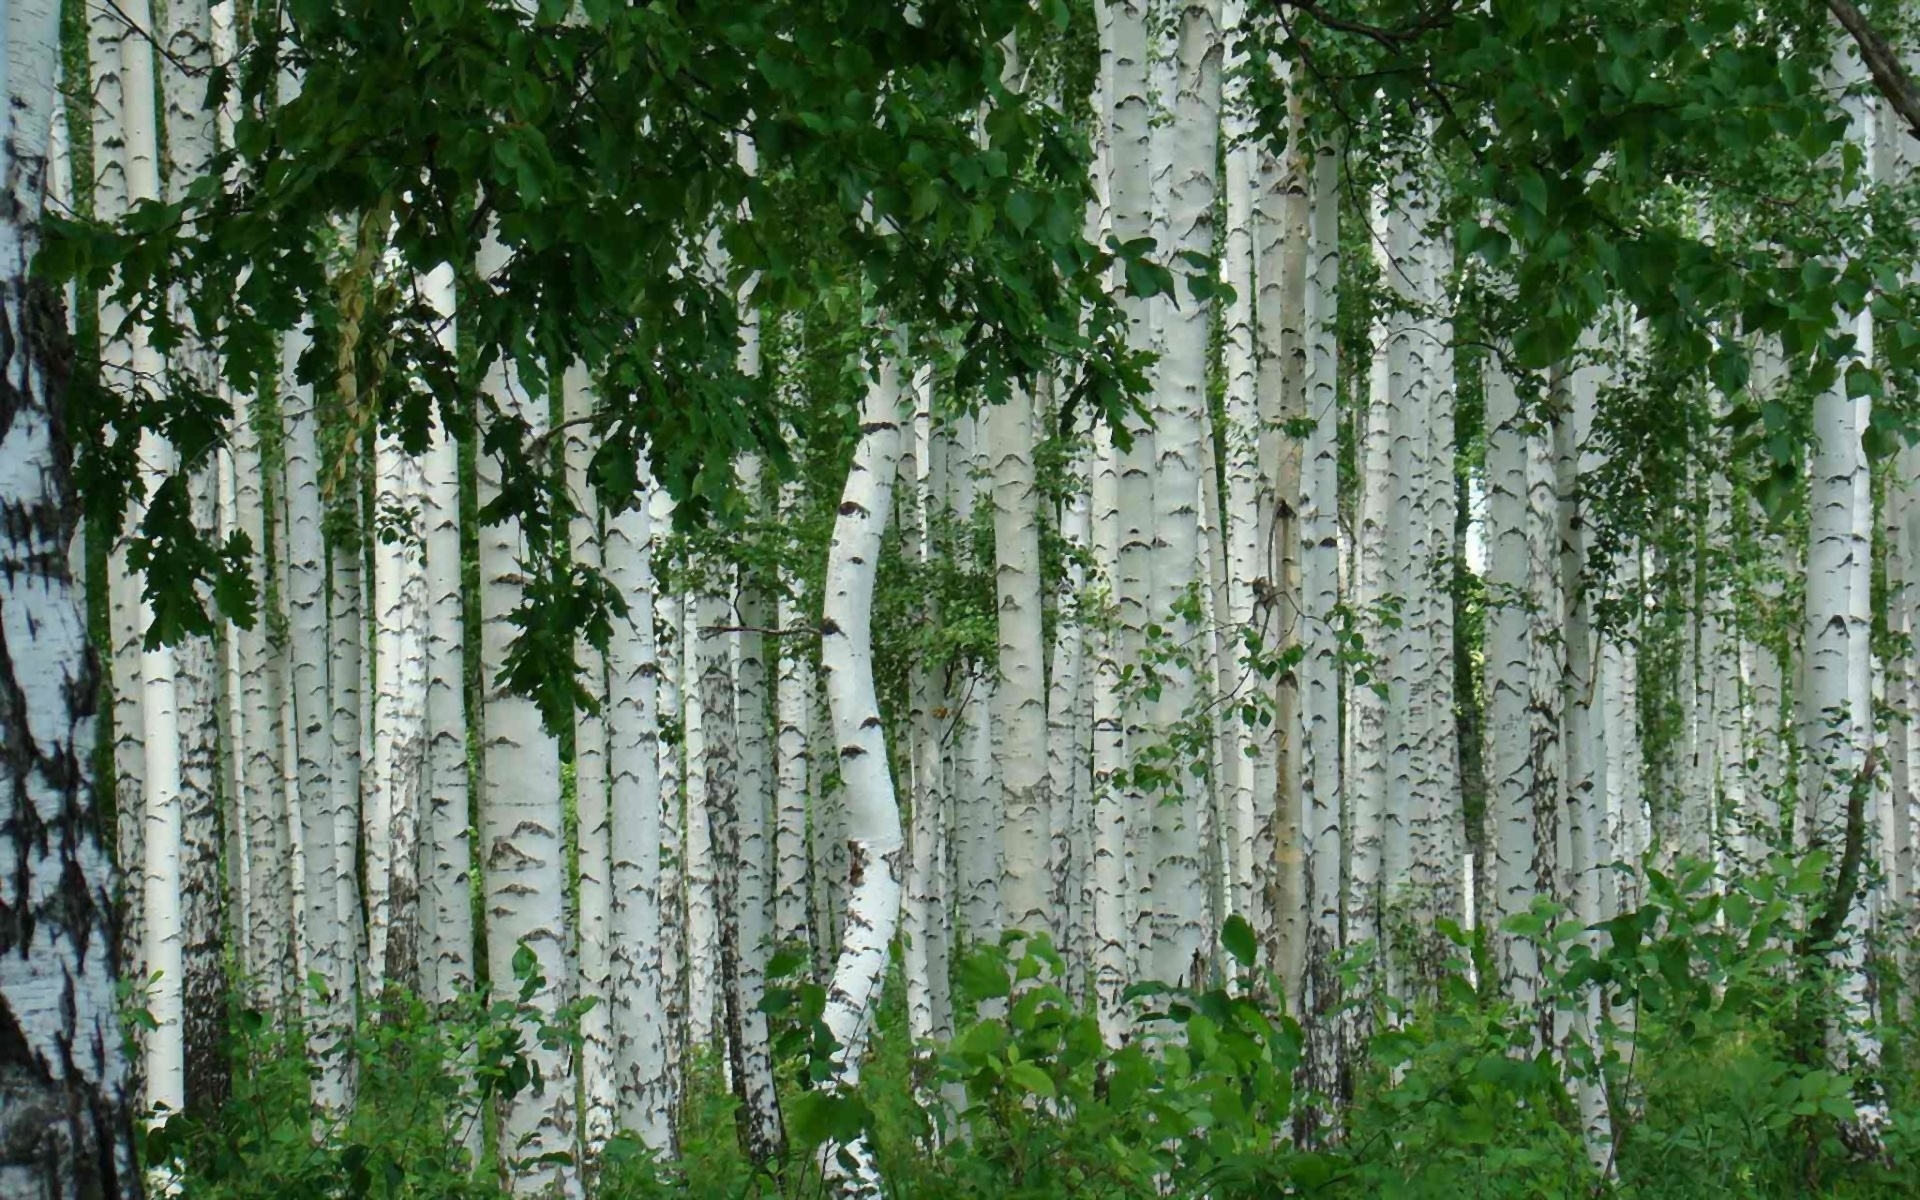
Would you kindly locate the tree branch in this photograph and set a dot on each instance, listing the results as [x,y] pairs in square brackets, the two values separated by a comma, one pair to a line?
[1381,34]
[1888,75]
[1832,918]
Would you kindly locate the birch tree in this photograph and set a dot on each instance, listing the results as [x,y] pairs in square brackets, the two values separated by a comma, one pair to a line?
[446,957]
[593,821]
[523,855]
[634,753]
[1320,771]
[65,1126]
[876,847]
[1020,692]
[1836,716]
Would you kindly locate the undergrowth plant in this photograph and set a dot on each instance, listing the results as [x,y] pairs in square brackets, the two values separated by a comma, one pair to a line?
[1717,1047]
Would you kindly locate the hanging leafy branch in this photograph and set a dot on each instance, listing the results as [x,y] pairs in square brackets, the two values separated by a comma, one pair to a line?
[1584,137]
[594,148]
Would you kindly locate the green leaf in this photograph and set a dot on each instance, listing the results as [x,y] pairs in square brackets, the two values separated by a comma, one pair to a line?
[1237,937]
[1533,190]
[1031,1079]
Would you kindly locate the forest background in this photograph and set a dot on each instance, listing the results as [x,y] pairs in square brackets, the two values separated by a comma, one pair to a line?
[981,599]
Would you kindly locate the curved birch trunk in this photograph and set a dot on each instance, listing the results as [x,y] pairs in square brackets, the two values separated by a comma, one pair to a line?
[64,1130]
[876,849]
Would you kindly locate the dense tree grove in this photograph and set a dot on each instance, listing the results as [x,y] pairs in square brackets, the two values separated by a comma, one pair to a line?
[975,598]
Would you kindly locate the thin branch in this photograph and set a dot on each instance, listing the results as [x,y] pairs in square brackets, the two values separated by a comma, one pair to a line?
[1385,36]
[790,631]
[1888,75]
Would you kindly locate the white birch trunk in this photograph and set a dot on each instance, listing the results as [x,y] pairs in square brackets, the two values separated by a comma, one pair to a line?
[345,684]
[106,31]
[927,917]
[1067,745]
[1582,743]
[793,688]
[323,935]
[1437,834]
[1020,691]
[976,797]
[1248,780]
[1181,940]
[269,926]
[634,751]
[599,1116]
[1324,1057]
[1112,907]
[1837,726]
[744,854]
[876,849]
[1129,186]
[160,958]
[1375,584]
[186,34]
[523,853]
[64,1128]
[669,628]
[1282,270]
[398,779]
[702,961]
[1512,766]
[446,956]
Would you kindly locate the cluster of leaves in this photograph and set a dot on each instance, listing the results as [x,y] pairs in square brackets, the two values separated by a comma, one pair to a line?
[425,1076]
[580,167]
[1691,163]
[1711,1044]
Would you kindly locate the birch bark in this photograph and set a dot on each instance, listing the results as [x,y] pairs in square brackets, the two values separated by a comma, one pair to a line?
[446,957]
[1324,1059]
[876,847]
[598,1115]
[1020,692]
[521,827]
[1181,942]
[65,1129]
[634,752]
